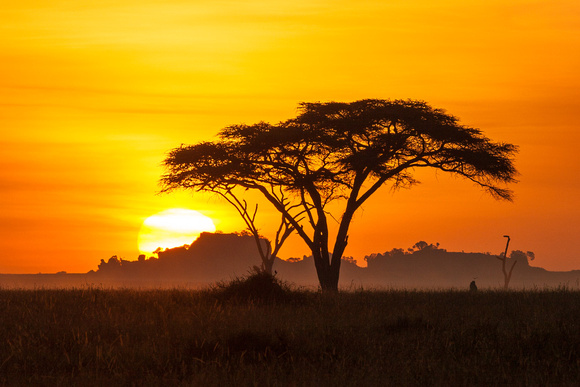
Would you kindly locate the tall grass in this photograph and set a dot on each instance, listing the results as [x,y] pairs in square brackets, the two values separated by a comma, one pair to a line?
[177,337]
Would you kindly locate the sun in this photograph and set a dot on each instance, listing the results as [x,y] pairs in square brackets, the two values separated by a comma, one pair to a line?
[172,228]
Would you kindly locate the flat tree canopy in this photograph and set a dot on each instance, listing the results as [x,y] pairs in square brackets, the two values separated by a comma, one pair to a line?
[339,152]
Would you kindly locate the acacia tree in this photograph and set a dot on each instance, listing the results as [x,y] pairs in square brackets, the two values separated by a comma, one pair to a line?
[339,152]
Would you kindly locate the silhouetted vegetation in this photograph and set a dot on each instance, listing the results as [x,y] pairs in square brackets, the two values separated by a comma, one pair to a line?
[215,257]
[338,151]
[258,286]
[218,257]
[507,275]
[90,337]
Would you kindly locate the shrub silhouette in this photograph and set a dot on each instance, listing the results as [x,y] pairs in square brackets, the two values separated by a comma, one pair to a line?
[259,286]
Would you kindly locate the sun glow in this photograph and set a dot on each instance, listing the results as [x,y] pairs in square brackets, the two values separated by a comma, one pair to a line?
[172,228]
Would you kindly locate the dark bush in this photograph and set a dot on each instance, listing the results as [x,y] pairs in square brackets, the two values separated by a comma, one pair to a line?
[258,286]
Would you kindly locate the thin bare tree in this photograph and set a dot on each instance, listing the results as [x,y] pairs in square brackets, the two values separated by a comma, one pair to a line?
[503,258]
[267,253]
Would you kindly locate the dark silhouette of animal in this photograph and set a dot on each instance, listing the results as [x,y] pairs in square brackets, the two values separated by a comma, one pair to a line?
[472,287]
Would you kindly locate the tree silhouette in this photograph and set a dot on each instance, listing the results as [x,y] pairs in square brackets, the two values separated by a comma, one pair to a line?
[267,254]
[339,152]
[507,275]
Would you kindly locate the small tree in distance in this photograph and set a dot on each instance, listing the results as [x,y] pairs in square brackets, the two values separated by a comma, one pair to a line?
[339,152]
[267,253]
[514,256]
[507,275]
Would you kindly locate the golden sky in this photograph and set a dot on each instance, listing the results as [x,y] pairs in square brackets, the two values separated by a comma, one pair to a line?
[93,94]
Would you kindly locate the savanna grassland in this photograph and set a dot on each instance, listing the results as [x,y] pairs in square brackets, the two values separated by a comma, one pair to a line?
[232,336]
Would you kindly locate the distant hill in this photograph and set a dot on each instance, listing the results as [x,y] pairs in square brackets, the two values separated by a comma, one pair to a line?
[215,257]
[210,258]
[220,257]
[433,268]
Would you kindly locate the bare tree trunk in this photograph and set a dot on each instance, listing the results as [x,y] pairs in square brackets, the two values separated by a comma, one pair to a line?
[328,279]
[334,275]
[327,273]
[327,270]
[506,276]
[267,266]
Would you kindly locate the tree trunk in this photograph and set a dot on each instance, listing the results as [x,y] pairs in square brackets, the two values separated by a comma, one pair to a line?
[327,274]
[267,265]
[327,266]
[508,276]
[328,279]
[333,272]
[334,275]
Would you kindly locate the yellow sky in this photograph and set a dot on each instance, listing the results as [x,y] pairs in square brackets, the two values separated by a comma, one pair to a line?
[92,95]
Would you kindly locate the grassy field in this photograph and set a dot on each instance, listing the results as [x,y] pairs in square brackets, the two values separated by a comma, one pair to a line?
[224,337]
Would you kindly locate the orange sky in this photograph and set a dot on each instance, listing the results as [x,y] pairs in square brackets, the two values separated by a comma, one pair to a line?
[92,95]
